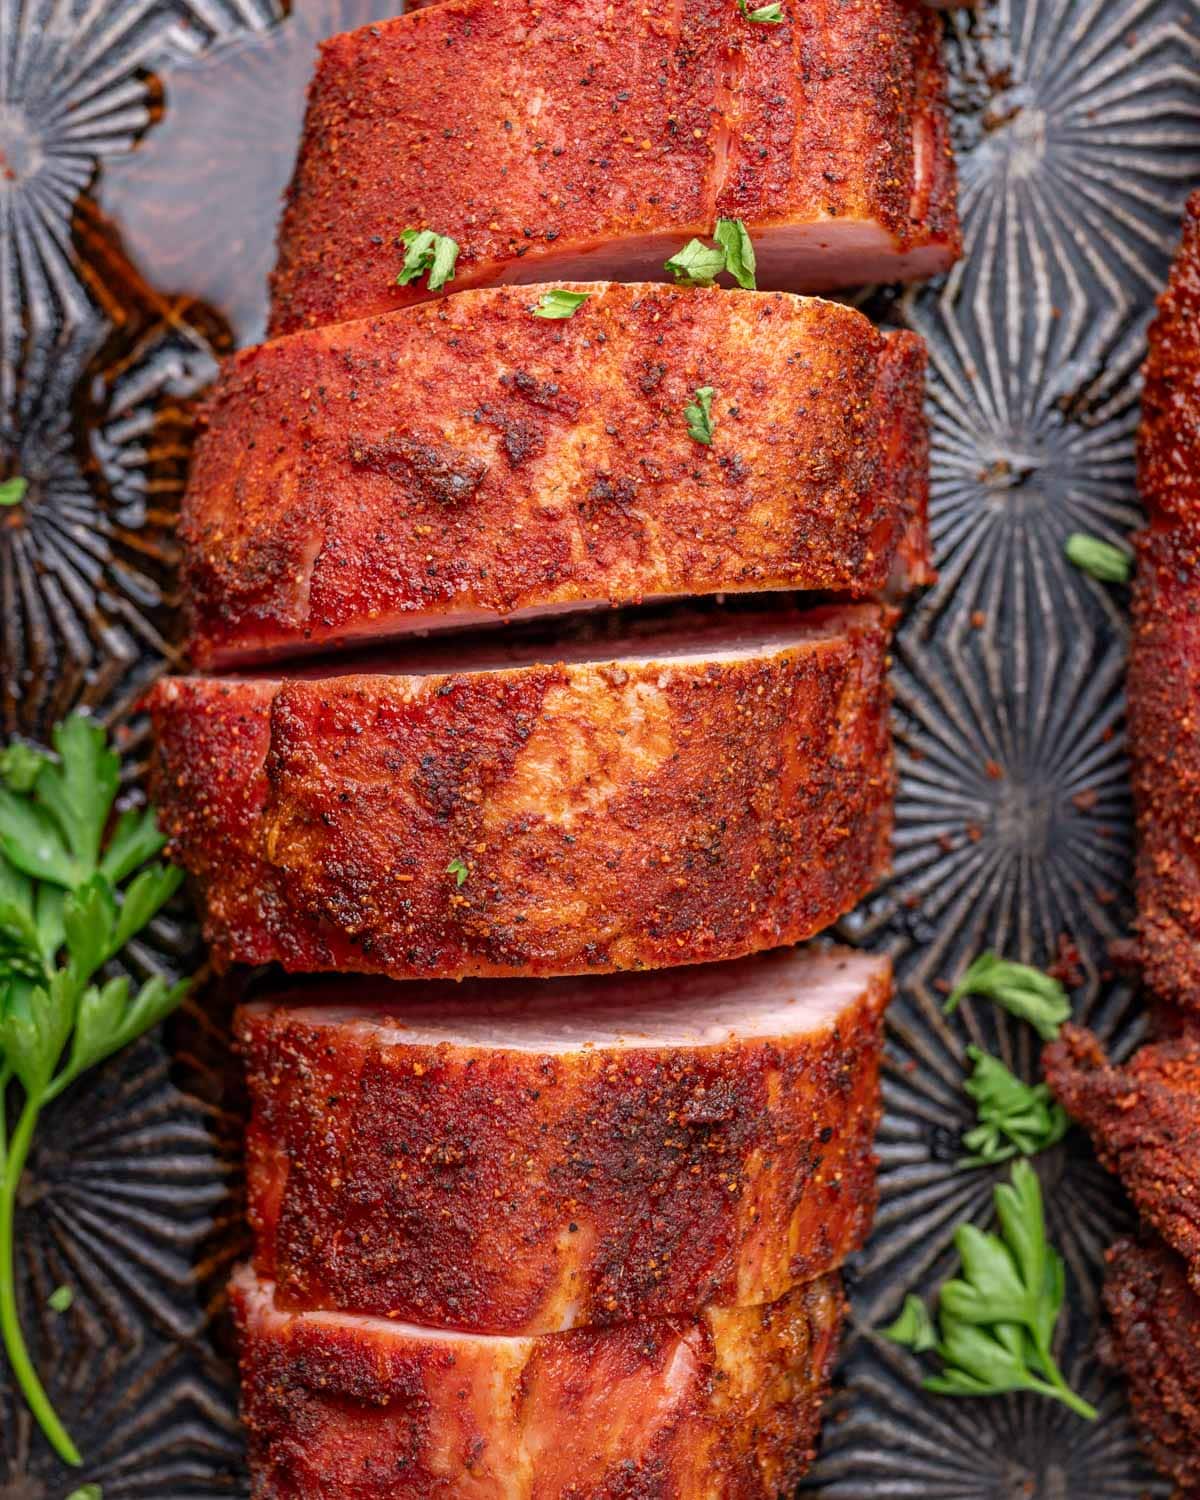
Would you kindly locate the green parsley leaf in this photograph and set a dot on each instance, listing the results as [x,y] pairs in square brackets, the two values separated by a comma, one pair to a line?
[765,15]
[734,238]
[75,889]
[1101,559]
[458,868]
[60,1299]
[12,491]
[559,303]
[20,764]
[1015,1118]
[87,1492]
[427,251]
[914,1327]
[998,1318]
[699,416]
[1023,991]
[697,264]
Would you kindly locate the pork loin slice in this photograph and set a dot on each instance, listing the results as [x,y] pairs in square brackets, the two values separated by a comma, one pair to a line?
[1164,654]
[699,795]
[464,461]
[532,1156]
[343,1407]
[589,141]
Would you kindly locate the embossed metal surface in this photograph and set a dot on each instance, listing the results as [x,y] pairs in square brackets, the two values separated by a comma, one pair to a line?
[143,144]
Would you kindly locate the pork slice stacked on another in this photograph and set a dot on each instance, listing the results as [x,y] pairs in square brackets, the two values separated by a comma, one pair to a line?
[725,1406]
[591,140]
[529,1157]
[709,790]
[464,461]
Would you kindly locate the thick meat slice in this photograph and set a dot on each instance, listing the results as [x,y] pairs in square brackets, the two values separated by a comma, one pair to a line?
[587,140]
[695,797]
[464,461]
[527,1157]
[1145,1120]
[1164,666]
[727,1407]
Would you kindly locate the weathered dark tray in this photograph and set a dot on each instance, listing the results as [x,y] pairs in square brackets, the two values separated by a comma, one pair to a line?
[143,146]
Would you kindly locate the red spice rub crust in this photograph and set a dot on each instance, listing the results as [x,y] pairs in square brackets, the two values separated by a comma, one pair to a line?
[1154,1339]
[521,1192]
[463,458]
[609,815]
[1164,667]
[547,140]
[724,1408]
[1145,1120]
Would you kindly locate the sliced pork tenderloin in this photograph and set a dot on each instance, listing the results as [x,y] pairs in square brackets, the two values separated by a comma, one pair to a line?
[589,141]
[465,461]
[531,1156]
[607,804]
[1164,655]
[725,1407]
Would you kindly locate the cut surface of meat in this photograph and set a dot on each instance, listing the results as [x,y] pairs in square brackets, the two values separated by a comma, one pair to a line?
[684,799]
[585,142]
[1164,665]
[1154,1339]
[1144,1118]
[726,1407]
[531,1156]
[464,461]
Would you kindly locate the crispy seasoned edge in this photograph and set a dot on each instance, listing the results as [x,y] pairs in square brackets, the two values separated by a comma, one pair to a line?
[490,1189]
[1154,1339]
[1164,668]
[1145,1121]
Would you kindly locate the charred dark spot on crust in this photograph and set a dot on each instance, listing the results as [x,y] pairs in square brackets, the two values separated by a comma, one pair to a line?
[433,471]
[547,394]
[522,439]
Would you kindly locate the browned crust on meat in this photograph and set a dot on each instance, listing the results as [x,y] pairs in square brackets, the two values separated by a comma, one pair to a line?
[211,742]
[726,1408]
[1164,667]
[465,457]
[523,1192]
[610,816]
[1154,1339]
[1145,1120]
[528,134]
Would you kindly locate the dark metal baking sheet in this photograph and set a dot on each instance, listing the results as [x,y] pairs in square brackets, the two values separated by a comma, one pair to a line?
[143,145]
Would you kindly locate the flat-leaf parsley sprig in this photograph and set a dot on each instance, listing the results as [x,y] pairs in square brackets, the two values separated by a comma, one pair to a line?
[997,1319]
[1015,1118]
[1023,991]
[75,889]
